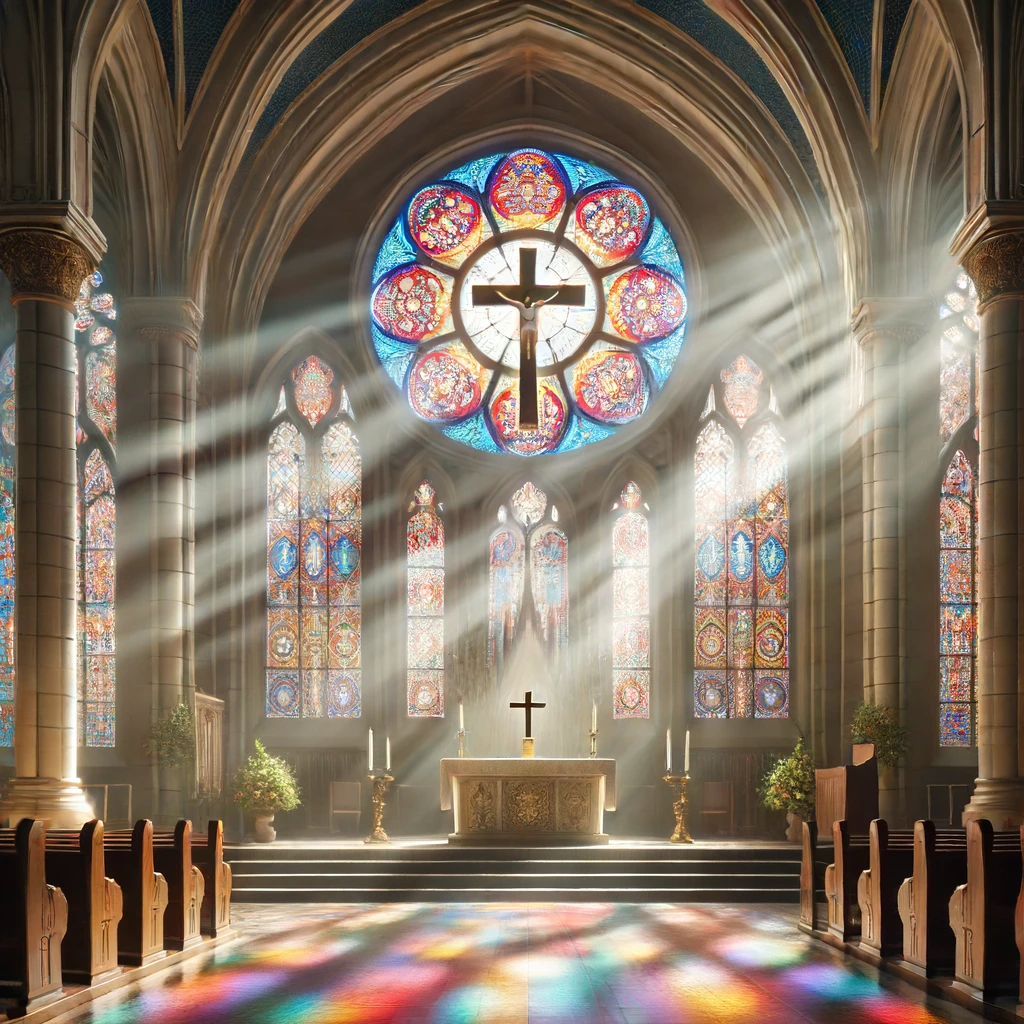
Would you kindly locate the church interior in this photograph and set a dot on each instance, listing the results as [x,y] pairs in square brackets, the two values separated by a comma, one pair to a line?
[510,511]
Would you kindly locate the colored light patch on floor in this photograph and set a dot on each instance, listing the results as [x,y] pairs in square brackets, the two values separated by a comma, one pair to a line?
[519,964]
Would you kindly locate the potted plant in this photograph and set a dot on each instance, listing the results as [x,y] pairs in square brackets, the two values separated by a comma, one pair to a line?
[262,786]
[172,741]
[880,726]
[789,786]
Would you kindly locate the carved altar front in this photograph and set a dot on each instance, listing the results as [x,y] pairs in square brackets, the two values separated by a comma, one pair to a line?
[528,801]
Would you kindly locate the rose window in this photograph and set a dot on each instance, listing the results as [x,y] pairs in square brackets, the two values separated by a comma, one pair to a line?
[528,303]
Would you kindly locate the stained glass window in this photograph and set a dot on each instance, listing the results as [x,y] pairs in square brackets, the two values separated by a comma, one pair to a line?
[7,547]
[606,344]
[425,608]
[96,434]
[314,549]
[531,533]
[631,611]
[741,552]
[958,604]
[958,514]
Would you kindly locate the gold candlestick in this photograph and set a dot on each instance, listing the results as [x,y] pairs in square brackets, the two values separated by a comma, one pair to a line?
[462,743]
[681,834]
[593,743]
[381,781]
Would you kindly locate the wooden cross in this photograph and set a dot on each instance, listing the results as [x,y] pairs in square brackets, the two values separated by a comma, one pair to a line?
[529,705]
[527,296]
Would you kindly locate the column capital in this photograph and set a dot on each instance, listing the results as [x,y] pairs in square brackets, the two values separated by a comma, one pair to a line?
[47,250]
[990,246]
[899,320]
[158,316]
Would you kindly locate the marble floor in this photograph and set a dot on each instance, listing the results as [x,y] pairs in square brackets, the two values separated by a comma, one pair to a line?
[541,963]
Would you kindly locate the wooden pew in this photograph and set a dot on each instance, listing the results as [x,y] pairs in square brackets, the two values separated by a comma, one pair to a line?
[208,856]
[33,920]
[74,861]
[890,861]
[129,860]
[847,793]
[850,857]
[940,865]
[982,910]
[813,862]
[172,857]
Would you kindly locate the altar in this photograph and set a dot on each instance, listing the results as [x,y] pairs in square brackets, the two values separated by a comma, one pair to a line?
[528,801]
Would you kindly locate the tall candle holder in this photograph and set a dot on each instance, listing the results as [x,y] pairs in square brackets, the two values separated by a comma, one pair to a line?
[681,834]
[462,743]
[593,742]
[381,780]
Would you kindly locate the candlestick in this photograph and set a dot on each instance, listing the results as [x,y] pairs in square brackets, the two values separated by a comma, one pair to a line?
[462,717]
[381,781]
[370,752]
[686,754]
[668,751]
[681,834]
[387,753]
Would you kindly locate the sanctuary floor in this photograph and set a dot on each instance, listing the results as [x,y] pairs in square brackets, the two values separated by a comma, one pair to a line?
[539,963]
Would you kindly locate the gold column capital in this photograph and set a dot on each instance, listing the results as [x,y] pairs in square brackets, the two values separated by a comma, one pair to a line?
[41,263]
[990,246]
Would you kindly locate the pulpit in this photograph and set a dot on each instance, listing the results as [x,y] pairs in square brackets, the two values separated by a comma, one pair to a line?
[528,801]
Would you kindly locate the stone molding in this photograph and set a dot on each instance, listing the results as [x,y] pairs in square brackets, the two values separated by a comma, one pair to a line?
[895,320]
[996,265]
[43,264]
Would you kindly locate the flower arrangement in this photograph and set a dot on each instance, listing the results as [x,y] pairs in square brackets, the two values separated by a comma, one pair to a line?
[172,739]
[265,784]
[789,784]
[873,723]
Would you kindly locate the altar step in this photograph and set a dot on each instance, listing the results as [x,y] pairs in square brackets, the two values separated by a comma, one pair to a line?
[442,874]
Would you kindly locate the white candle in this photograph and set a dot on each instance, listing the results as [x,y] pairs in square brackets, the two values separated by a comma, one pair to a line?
[593,718]
[462,718]
[387,754]
[668,751]
[686,753]
[370,751]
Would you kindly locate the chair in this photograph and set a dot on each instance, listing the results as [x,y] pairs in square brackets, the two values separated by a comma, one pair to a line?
[716,801]
[346,798]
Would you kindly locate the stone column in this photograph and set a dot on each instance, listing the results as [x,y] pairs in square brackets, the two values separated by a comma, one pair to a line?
[45,268]
[164,334]
[992,252]
[883,328]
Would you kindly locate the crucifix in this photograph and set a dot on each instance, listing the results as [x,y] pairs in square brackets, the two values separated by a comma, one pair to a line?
[528,296]
[529,705]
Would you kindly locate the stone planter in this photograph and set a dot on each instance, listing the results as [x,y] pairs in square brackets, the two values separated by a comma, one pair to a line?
[263,831]
[794,827]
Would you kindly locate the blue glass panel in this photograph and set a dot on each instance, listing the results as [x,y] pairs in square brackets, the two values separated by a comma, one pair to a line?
[395,356]
[473,432]
[582,175]
[283,557]
[771,556]
[661,250]
[582,431]
[395,250]
[344,556]
[661,355]
[474,172]
[711,557]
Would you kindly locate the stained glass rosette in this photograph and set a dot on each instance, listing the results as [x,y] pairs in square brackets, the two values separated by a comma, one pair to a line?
[600,362]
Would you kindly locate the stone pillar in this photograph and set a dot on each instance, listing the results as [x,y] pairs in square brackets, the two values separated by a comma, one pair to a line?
[164,333]
[883,328]
[45,268]
[992,249]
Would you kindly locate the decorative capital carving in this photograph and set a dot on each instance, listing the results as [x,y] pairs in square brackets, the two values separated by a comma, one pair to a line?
[44,264]
[157,318]
[996,265]
[890,321]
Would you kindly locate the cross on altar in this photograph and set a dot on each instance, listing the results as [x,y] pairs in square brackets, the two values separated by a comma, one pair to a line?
[529,704]
[528,296]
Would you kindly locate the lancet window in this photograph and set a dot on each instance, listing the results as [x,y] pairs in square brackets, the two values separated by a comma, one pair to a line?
[531,532]
[741,551]
[631,607]
[96,437]
[425,607]
[314,550]
[959,382]
[7,546]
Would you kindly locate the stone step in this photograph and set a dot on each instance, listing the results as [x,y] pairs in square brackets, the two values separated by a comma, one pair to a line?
[518,894]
